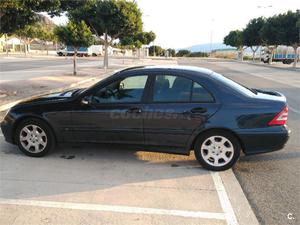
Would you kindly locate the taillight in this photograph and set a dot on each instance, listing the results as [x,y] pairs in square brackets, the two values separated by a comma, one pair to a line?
[280,118]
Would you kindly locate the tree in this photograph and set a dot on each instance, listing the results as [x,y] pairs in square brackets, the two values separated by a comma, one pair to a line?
[75,35]
[110,20]
[136,42]
[235,39]
[46,36]
[198,54]
[156,50]
[251,34]
[27,34]
[183,53]
[42,29]
[270,34]
[172,52]
[289,33]
[16,14]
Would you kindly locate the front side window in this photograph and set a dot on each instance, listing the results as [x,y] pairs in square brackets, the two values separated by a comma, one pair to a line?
[129,90]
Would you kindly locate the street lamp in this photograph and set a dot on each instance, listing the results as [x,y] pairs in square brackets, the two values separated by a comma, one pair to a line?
[265,8]
[211,35]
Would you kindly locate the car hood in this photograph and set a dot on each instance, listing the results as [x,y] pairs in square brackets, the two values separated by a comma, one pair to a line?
[53,97]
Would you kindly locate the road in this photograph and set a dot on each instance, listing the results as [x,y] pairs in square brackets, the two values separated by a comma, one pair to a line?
[11,68]
[270,181]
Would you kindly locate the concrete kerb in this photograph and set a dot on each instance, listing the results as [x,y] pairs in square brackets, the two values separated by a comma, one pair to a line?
[271,66]
[240,205]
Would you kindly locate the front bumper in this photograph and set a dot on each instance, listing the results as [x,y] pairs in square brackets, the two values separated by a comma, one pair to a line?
[263,140]
[7,128]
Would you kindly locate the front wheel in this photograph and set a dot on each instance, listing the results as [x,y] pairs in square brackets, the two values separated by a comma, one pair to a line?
[217,150]
[34,137]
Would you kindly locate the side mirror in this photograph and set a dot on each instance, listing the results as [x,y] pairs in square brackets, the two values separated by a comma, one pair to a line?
[86,100]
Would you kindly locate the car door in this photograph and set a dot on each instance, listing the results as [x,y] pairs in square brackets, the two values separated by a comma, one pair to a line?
[113,113]
[177,107]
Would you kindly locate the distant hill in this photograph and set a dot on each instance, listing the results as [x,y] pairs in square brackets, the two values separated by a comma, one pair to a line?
[207,47]
[46,22]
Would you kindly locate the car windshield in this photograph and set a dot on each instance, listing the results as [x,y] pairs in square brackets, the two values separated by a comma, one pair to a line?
[234,85]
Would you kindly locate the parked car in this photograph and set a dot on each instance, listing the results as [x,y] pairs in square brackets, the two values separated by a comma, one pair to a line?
[173,109]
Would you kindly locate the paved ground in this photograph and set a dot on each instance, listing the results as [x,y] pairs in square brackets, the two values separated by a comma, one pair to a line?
[40,75]
[12,67]
[89,185]
[81,185]
[270,181]
[104,185]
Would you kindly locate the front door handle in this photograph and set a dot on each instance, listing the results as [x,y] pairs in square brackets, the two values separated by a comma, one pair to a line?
[134,110]
[199,110]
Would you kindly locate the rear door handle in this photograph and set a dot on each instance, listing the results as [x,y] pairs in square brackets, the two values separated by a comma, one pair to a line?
[199,110]
[134,110]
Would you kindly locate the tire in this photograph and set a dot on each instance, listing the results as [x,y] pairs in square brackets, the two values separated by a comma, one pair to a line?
[209,148]
[35,144]
[60,54]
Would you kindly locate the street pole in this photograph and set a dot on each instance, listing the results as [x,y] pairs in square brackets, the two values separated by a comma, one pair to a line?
[263,7]
[211,36]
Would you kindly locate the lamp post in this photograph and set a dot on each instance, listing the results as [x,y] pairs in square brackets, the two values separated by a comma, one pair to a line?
[211,35]
[265,8]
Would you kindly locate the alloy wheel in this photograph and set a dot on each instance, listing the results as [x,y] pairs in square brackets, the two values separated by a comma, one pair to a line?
[33,138]
[217,151]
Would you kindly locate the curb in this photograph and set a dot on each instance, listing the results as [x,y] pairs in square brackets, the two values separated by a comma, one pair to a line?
[240,204]
[270,66]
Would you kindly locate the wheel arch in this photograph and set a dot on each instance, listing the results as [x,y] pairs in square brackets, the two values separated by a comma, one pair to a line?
[217,129]
[19,120]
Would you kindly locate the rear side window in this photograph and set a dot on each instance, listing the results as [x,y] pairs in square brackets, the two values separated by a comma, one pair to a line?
[234,85]
[200,94]
[170,88]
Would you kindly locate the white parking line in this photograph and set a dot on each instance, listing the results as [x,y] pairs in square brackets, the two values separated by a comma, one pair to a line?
[224,200]
[115,208]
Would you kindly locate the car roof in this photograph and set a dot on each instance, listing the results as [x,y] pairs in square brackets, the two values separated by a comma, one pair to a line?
[198,70]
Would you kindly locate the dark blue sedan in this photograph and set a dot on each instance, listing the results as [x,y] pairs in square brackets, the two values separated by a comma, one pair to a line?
[173,109]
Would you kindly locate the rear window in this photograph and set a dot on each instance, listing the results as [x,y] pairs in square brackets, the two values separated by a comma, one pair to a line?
[234,85]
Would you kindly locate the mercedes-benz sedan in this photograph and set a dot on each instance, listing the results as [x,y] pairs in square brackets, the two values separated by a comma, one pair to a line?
[173,109]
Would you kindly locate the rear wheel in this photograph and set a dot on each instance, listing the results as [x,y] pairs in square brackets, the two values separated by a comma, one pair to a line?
[217,150]
[34,137]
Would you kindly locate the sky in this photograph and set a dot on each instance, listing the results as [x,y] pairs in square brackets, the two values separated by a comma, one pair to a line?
[183,23]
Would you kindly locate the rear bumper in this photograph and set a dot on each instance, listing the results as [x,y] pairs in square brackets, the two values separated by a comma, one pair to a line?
[263,140]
